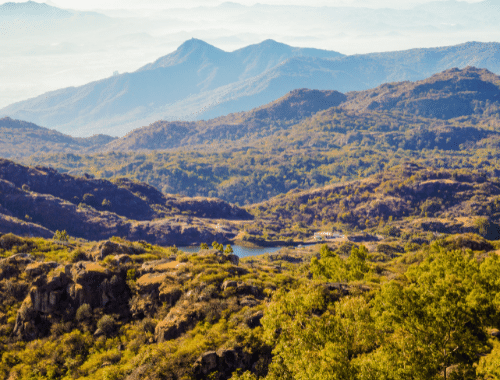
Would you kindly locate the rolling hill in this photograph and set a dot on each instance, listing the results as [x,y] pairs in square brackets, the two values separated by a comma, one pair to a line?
[19,138]
[407,197]
[249,157]
[199,81]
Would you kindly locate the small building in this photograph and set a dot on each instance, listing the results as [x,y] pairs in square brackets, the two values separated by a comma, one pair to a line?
[328,235]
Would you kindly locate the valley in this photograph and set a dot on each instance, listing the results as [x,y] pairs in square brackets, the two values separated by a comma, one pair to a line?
[326,232]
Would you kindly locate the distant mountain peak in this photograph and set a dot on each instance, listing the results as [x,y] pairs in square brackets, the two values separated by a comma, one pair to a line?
[269,43]
[30,8]
[193,48]
[197,45]
[193,42]
[28,4]
[231,4]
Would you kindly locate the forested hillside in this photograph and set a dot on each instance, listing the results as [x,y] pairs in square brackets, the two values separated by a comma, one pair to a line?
[250,157]
[20,139]
[405,198]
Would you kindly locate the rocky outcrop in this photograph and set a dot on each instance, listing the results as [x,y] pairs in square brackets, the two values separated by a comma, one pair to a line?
[254,320]
[12,266]
[222,363]
[106,248]
[57,291]
[178,321]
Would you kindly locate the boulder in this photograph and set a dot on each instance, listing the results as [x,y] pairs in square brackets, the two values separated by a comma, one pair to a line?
[150,283]
[229,284]
[207,363]
[254,320]
[38,268]
[106,248]
[169,294]
[244,288]
[178,321]
[248,301]
[222,363]
[123,259]
[172,329]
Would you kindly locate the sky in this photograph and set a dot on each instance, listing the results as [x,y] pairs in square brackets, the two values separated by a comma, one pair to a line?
[136,4]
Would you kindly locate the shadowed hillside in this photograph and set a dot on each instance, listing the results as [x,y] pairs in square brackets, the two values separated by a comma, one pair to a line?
[98,209]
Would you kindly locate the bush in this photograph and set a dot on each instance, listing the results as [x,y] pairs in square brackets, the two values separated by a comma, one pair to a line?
[106,324]
[61,235]
[83,313]
[148,325]
[106,203]
[8,241]
[77,255]
[88,198]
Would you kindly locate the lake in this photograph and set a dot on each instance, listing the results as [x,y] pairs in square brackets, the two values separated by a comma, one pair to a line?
[238,250]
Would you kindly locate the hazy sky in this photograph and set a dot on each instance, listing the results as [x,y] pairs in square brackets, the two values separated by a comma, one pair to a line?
[137,4]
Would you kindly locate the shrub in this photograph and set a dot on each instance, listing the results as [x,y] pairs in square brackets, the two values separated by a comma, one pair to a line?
[148,325]
[83,313]
[77,255]
[106,324]
[88,198]
[131,275]
[61,235]
[106,203]
[8,241]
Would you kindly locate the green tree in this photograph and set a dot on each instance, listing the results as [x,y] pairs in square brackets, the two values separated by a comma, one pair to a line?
[332,268]
[106,324]
[482,224]
[61,236]
[314,339]
[438,316]
[329,266]
[217,246]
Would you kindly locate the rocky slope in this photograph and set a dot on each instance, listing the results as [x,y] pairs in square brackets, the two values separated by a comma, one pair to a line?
[128,283]
[98,209]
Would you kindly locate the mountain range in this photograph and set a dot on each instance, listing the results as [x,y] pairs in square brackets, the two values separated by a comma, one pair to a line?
[199,81]
[444,96]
